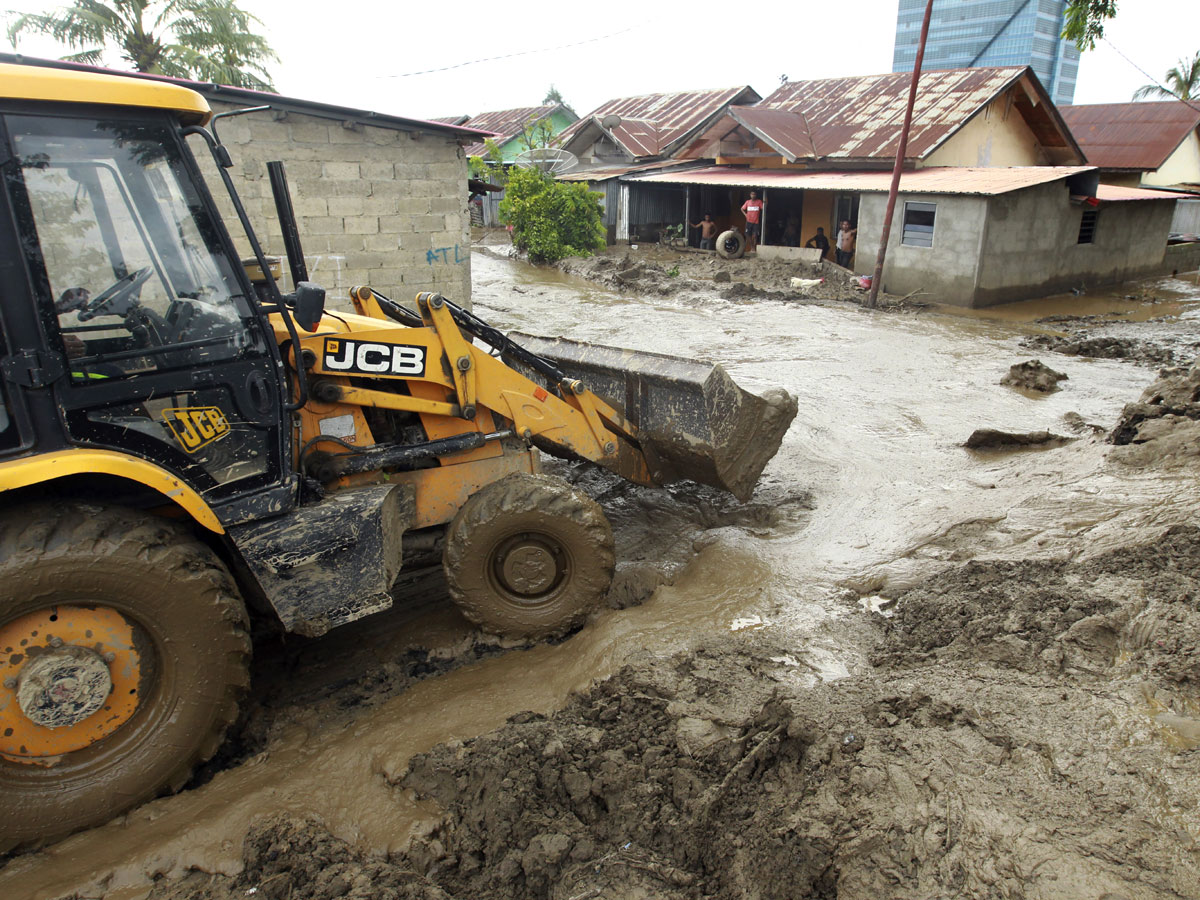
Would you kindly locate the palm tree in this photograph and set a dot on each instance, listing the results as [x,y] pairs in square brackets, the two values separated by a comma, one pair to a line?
[1183,83]
[207,40]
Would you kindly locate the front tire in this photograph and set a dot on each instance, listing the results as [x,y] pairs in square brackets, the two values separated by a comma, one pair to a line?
[137,608]
[529,557]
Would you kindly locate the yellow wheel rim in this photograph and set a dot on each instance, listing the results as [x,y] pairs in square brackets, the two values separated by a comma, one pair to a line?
[103,640]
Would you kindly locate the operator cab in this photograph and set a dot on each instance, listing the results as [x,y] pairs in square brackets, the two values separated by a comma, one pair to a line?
[154,341]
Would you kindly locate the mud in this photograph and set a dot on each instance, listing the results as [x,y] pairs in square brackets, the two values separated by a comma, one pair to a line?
[719,772]
[903,669]
[653,269]
[1034,375]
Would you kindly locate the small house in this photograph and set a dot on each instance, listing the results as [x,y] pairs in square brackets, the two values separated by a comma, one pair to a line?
[1150,145]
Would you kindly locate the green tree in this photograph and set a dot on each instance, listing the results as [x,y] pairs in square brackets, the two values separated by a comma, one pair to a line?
[551,219]
[1083,21]
[1183,82]
[207,40]
[552,96]
[536,134]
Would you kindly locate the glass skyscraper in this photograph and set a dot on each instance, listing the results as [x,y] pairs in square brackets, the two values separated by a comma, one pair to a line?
[965,33]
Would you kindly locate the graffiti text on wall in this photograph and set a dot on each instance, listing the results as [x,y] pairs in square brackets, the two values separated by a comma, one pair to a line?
[442,254]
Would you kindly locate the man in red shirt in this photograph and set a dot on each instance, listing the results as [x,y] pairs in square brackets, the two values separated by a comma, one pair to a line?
[752,209]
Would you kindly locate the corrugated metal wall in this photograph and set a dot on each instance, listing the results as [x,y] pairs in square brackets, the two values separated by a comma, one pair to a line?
[656,205]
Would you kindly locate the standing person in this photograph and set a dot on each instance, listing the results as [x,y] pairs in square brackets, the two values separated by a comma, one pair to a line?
[708,232]
[846,237]
[752,209]
[819,242]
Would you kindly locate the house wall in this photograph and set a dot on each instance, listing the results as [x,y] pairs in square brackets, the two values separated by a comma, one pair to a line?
[1181,167]
[1122,179]
[374,206]
[1013,246]
[1032,249]
[943,273]
[997,136]
[514,147]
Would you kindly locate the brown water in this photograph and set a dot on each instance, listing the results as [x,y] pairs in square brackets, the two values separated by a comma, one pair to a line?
[871,489]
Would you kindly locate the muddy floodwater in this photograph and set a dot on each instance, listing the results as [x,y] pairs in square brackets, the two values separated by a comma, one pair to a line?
[903,669]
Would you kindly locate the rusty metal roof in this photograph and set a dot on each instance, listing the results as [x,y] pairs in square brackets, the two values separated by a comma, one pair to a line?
[604,173]
[653,124]
[859,118]
[1137,136]
[505,124]
[983,181]
[1111,193]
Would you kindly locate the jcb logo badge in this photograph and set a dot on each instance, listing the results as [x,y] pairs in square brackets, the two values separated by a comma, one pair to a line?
[196,426]
[369,358]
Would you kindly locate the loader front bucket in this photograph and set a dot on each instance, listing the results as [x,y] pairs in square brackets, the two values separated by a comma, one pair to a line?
[693,421]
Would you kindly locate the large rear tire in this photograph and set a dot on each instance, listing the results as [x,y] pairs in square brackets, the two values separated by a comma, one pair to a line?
[149,619]
[529,556]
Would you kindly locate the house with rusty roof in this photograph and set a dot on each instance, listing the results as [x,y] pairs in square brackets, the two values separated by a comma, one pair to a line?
[1153,145]
[508,127]
[1140,144]
[635,130]
[629,134]
[998,202]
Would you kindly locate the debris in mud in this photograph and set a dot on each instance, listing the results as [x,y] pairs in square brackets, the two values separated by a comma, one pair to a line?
[1034,375]
[646,270]
[1079,425]
[993,439]
[741,291]
[1102,347]
[1175,394]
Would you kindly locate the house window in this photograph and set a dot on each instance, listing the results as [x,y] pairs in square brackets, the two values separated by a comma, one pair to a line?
[1087,226]
[918,224]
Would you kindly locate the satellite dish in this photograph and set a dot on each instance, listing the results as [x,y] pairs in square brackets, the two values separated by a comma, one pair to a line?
[549,160]
[611,121]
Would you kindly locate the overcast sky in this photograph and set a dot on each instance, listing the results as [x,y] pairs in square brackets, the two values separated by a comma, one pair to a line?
[360,53]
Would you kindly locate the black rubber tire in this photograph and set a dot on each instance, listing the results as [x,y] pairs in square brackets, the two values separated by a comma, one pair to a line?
[731,244]
[541,509]
[196,667]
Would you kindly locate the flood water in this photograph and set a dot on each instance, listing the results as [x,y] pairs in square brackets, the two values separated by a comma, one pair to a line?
[871,490]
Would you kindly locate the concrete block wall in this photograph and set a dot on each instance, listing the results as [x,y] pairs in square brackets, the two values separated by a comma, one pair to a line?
[375,206]
[943,273]
[1033,244]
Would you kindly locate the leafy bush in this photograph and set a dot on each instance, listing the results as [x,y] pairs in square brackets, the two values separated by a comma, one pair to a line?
[551,219]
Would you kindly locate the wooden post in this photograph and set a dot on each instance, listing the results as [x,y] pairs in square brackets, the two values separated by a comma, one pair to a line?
[873,297]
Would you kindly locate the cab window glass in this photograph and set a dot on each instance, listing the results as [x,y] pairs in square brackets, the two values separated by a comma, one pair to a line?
[134,270]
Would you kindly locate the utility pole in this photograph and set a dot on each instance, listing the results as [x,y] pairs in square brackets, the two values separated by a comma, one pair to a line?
[873,297]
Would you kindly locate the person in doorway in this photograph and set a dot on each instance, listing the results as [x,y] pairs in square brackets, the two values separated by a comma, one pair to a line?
[752,209]
[708,232]
[791,232]
[844,242]
[819,242]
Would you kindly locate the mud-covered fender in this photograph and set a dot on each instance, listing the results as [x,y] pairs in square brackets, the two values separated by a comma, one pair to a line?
[48,467]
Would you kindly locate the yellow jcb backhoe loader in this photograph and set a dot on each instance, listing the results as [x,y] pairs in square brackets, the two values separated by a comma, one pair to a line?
[180,441]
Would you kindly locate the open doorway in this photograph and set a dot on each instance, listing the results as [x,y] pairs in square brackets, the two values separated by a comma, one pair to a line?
[785,214]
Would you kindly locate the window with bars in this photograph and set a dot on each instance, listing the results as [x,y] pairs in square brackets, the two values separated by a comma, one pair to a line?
[1087,226]
[918,224]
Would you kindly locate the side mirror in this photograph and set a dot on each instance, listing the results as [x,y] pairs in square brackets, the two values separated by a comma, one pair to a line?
[308,304]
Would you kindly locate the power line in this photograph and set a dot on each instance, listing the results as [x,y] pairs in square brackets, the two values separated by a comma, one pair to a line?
[1186,103]
[473,62]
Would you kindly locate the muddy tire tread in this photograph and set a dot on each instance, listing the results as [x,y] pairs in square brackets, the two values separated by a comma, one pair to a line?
[552,496]
[180,562]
